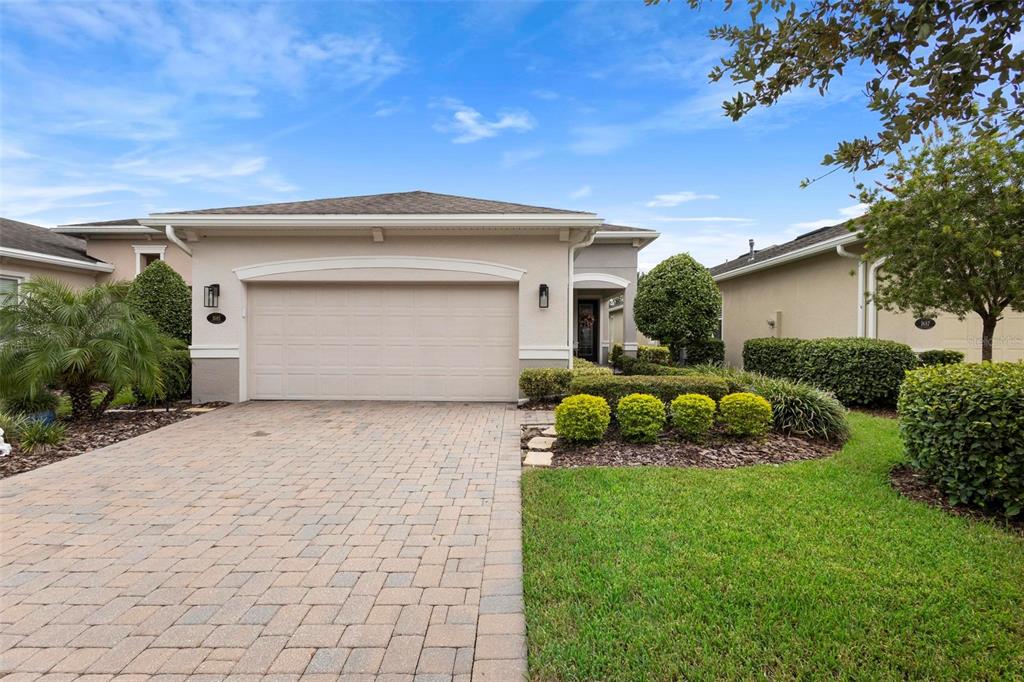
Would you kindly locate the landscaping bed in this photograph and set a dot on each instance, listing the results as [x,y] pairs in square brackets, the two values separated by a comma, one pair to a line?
[718,452]
[910,483]
[113,426]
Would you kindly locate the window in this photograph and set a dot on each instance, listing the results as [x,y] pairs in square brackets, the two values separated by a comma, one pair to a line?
[8,288]
[147,254]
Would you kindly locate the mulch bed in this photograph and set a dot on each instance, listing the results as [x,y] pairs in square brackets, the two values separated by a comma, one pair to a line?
[719,452]
[539,405]
[81,437]
[911,484]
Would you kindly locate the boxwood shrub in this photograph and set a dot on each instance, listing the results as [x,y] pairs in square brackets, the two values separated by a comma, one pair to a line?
[538,383]
[693,415]
[665,388]
[963,426]
[584,366]
[582,418]
[641,417]
[709,352]
[659,355]
[745,414]
[857,371]
[940,357]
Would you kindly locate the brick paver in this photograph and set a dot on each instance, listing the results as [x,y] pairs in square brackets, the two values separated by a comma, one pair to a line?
[273,539]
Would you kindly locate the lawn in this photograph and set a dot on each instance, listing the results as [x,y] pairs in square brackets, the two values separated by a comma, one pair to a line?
[813,569]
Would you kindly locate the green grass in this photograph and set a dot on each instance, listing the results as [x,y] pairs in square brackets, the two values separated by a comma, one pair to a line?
[806,570]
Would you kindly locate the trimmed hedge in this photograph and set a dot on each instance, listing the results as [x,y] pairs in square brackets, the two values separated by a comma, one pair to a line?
[584,366]
[659,355]
[858,371]
[666,388]
[940,357]
[641,417]
[616,355]
[538,383]
[161,293]
[709,352]
[582,418]
[693,415]
[963,426]
[745,414]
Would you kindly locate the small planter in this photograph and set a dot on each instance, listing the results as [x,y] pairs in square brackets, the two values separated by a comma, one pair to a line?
[44,416]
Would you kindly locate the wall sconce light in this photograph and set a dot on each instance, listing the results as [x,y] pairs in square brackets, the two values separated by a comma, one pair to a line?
[544,298]
[211,295]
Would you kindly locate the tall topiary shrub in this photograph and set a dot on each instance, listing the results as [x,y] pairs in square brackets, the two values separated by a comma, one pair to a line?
[161,293]
[678,303]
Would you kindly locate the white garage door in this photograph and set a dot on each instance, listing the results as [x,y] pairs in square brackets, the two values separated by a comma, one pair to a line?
[382,341]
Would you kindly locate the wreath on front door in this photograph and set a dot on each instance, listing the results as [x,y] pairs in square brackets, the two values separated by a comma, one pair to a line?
[586,320]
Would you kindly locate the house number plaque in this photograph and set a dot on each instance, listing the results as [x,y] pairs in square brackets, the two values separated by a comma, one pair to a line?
[216,318]
[924,323]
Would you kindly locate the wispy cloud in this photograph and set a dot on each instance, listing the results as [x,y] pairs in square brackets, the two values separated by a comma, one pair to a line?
[24,199]
[676,198]
[549,95]
[387,108]
[582,192]
[469,125]
[702,219]
[511,159]
[847,213]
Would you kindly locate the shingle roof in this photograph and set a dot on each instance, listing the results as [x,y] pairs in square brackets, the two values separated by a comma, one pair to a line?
[385,204]
[808,239]
[622,228]
[26,237]
[103,223]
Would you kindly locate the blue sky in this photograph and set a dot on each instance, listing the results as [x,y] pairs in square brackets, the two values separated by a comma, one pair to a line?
[112,110]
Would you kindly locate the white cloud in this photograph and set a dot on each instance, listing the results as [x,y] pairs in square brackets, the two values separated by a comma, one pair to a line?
[582,192]
[702,219]
[196,167]
[387,108]
[515,158]
[847,213]
[549,95]
[25,200]
[469,125]
[676,198]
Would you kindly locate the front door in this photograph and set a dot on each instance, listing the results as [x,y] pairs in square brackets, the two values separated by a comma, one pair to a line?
[587,331]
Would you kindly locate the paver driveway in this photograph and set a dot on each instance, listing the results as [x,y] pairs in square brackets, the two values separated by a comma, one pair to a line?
[286,539]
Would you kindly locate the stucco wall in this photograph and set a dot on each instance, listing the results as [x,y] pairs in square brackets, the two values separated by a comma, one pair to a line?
[78,279]
[120,253]
[817,297]
[544,258]
[619,260]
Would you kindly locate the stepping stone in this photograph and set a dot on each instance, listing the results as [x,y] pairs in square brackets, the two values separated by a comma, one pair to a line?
[550,431]
[200,409]
[537,459]
[540,443]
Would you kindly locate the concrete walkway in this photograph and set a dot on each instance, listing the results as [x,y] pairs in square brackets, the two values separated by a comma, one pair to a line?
[342,540]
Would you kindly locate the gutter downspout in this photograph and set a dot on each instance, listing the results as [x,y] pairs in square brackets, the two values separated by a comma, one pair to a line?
[175,239]
[861,271]
[872,288]
[582,244]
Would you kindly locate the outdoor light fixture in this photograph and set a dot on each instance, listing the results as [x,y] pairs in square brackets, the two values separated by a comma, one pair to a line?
[211,295]
[543,295]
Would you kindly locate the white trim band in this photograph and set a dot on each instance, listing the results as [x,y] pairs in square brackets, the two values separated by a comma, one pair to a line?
[37,257]
[210,351]
[602,277]
[543,353]
[380,262]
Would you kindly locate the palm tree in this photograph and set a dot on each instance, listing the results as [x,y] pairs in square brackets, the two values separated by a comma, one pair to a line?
[76,340]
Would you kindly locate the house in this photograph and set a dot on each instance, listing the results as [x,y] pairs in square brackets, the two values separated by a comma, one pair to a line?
[405,296]
[129,246]
[30,251]
[816,286]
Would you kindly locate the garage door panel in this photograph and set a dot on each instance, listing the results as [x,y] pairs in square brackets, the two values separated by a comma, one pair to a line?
[383,342]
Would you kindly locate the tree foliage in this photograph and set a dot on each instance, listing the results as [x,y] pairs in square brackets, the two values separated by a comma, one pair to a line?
[677,302]
[161,293]
[75,340]
[942,60]
[950,223]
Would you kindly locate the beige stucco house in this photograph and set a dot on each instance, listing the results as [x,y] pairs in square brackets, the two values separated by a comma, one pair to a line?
[129,246]
[30,251]
[817,286]
[413,295]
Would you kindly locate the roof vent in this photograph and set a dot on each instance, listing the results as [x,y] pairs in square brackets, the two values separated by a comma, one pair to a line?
[752,252]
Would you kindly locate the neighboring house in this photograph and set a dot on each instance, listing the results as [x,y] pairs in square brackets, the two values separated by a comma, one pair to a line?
[129,246]
[816,286]
[413,295]
[30,251]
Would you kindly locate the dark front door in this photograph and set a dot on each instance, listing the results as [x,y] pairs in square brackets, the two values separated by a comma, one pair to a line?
[587,332]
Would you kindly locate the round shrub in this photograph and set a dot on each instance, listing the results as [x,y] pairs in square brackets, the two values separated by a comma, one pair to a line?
[963,426]
[677,302]
[161,293]
[659,355]
[693,415]
[544,382]
[745,414]
[641,417]
[582,418]
[940,357]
